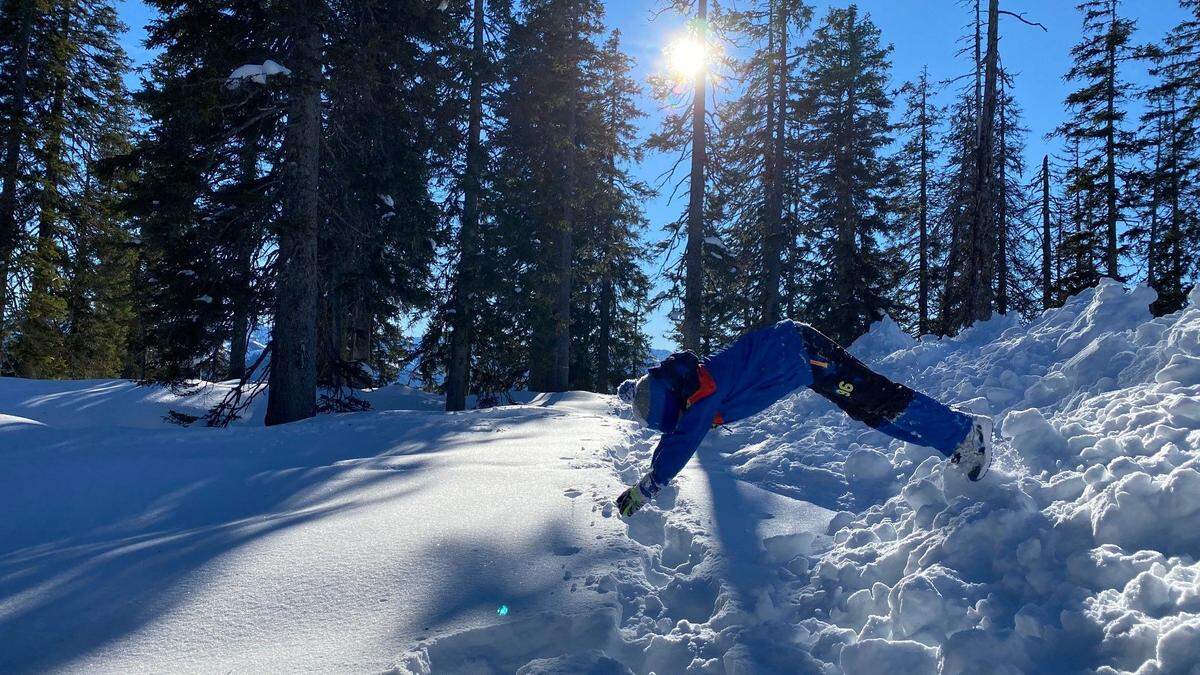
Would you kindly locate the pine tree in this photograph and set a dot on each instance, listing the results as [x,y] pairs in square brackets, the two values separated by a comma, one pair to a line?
[844,84]
[685,131]
[1097,113]
[613,241]
[917,165]
[462,307]
[755,152]
[205,191]
[301,198]
[542,151]
[1171,172]
[1017,233]
[1082,246]
[67,113]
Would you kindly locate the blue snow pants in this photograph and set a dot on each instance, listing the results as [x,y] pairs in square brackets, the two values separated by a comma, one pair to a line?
[873,399]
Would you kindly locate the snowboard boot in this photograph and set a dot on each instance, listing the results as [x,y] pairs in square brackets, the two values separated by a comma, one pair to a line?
[973,456]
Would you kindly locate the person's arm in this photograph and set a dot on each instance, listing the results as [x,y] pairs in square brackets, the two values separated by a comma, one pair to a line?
[676,448]
[673,452]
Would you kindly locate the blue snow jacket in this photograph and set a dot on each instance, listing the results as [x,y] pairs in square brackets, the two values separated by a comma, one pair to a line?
[745,378]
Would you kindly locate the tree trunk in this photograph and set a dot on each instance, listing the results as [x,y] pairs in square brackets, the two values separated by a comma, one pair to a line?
[1110,149]
[693,295]
[923,213]
[459,367]
[560,373]
[607,291]
[773,242]
[1047,283]
[292,394]
[844,320]
[239,337]
[604,339]
[1152,245]
[1002,215]
[982,255]
[9,229]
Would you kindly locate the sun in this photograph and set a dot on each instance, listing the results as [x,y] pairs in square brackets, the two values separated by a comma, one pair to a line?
[687,57]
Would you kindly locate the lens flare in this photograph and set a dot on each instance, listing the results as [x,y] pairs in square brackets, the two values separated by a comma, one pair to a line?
[687,57]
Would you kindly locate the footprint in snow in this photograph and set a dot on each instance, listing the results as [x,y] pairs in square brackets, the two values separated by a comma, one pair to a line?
[572,492]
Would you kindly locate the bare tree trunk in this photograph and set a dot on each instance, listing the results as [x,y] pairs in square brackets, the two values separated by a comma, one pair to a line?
[1002,214]
[9,230]
[1176,261]
[982,255]
[239,337]
[1152,245]
[292,394]
[923,212]
[773,241]
[459,368]
[693,295]
[1110,150]
[607,291]
[604,341]
[1047,287]
[560,373]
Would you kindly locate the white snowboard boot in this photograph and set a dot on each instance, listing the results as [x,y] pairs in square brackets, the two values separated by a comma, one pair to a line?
[973,456]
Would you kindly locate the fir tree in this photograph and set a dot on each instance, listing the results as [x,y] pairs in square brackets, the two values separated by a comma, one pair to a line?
[917,169]
[1171,164]
[1097,114]
[614,252]
[68,113]
[844,84]
[685,132]
[755,152]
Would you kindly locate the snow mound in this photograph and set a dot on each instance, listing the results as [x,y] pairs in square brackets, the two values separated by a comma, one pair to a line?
[1078,554]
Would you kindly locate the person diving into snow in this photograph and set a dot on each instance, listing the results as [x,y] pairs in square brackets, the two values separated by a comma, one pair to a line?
[685,396]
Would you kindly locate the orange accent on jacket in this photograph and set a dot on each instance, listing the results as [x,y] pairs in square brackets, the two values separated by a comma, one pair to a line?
[707,386]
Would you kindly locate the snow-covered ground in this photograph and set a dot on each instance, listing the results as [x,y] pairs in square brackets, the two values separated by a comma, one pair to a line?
[485,541]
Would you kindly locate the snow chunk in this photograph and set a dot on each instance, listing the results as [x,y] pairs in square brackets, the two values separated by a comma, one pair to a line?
[257,73]
[887,656]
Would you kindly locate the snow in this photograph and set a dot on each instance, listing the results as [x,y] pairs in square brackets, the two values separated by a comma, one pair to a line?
[257,73]
[796,542]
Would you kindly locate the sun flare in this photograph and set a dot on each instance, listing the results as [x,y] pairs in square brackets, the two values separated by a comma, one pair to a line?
[687,57]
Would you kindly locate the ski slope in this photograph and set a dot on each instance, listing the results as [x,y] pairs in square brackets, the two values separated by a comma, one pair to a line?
[416,541]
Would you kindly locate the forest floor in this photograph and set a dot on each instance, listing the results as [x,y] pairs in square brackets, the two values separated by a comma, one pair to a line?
[418,541]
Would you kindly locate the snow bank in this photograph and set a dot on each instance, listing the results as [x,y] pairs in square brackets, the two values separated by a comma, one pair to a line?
[1077,554]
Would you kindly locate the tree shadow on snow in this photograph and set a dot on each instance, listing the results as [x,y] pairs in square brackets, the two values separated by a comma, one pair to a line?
[101,541]
[549,604]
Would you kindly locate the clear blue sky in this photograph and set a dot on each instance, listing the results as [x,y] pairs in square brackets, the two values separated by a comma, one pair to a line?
[922,32]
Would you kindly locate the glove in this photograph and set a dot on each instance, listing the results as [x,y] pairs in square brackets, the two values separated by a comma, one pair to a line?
[634,498]
[630,501]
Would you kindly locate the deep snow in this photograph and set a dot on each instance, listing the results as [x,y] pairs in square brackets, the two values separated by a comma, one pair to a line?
[797,541]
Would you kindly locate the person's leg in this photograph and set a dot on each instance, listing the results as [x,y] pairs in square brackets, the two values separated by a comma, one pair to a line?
[878,402]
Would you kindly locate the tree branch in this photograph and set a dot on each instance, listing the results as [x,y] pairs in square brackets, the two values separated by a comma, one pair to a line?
[1021,17]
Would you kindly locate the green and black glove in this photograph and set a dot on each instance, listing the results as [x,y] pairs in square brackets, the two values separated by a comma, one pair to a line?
[637,496]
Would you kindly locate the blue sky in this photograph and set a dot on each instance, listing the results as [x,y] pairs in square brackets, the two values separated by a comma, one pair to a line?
[922,32]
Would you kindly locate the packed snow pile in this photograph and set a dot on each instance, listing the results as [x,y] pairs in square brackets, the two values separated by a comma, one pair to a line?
[1077,554]
[799,541]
